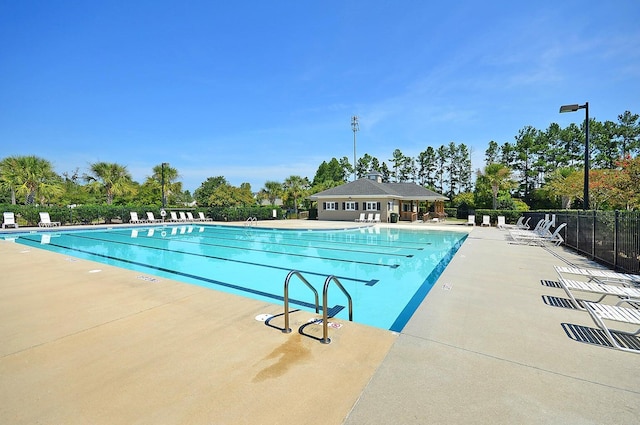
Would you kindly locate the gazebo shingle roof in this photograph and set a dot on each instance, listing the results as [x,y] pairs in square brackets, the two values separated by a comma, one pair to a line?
[371,188]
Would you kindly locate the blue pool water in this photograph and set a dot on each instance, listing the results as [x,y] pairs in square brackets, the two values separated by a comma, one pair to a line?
[387,271]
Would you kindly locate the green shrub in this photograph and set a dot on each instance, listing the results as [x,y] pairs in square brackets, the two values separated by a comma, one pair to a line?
[242,213]
[510,216]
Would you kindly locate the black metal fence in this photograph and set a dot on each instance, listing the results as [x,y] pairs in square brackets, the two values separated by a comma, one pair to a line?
[609,237]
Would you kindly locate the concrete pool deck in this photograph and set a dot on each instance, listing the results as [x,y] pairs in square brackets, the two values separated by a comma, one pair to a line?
[84,343]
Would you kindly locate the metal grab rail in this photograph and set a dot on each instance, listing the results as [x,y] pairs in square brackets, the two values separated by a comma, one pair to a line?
[286,297]
[325,319]
[251,221]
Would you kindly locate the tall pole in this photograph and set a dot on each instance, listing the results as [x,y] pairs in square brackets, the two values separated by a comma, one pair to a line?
[164,199]
[572,108]
[586,157]
[355,127]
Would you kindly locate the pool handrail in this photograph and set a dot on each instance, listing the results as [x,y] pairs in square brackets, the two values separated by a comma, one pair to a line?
[286,297]
[325,319]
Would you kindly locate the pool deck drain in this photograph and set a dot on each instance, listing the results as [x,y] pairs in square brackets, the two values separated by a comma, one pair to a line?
[483,347]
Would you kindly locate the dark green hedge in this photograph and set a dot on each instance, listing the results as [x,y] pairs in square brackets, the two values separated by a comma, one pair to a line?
[243,213]
[28,215]
[451,212]
[511,216]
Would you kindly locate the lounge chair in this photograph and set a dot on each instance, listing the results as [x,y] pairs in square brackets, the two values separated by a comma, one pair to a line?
[601,275]
[523,224]
[471,220]
[190,217]
[152,219]
[601,312]
[45,220]
[486,220]
[376,218]
[9,219]
[203,218]
[520,224]
[361,219]
[135,219]
[370,218]
[502,224]
[174,216]
[541,230]
[544,236]
[601,289]
[183,217]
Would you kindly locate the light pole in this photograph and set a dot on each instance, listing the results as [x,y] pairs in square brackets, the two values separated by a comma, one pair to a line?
[573,108]
[164,199]
[355,127]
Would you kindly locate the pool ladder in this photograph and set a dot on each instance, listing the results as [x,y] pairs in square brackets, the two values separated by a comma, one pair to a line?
[251,221]
[325,293]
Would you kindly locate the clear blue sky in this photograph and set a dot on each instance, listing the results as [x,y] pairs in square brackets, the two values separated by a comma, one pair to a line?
[261,90]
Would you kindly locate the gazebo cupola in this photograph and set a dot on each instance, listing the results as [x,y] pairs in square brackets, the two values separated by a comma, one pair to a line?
[374,175]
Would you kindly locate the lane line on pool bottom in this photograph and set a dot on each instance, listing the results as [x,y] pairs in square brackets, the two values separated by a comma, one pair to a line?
[370,282]
[244,248]
[367,263]
[335,309]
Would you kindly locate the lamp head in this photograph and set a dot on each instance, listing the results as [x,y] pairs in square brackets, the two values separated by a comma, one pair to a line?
[569,108]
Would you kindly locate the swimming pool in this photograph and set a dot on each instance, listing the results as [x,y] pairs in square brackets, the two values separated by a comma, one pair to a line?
[387,271]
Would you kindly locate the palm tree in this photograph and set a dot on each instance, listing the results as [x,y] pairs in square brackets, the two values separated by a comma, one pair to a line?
[113,178]
[29,176]
[499,177]
[295,187]
[10,176]
[272,190]
[167,175]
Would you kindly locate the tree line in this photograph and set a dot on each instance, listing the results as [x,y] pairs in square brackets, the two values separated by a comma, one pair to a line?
[539,169]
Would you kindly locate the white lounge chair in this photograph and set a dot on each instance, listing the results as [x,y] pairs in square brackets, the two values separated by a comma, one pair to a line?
[486,220]
[600,275]
[502,224]
[152,219]
[471,220]
[370,218]
[361,219]
[9,219]
[190,217]
[541,230]
[544,236]
[601,289]
[45,220]
[134,218]
[523,224]
[601,312]
[203,218]
[174,216]
[376,218]
[183,217]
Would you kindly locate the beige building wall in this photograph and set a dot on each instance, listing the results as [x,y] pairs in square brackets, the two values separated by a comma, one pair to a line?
[342,215]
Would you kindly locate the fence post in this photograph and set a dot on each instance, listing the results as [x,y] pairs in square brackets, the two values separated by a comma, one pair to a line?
[615,240]
[593,235]
[578,231]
